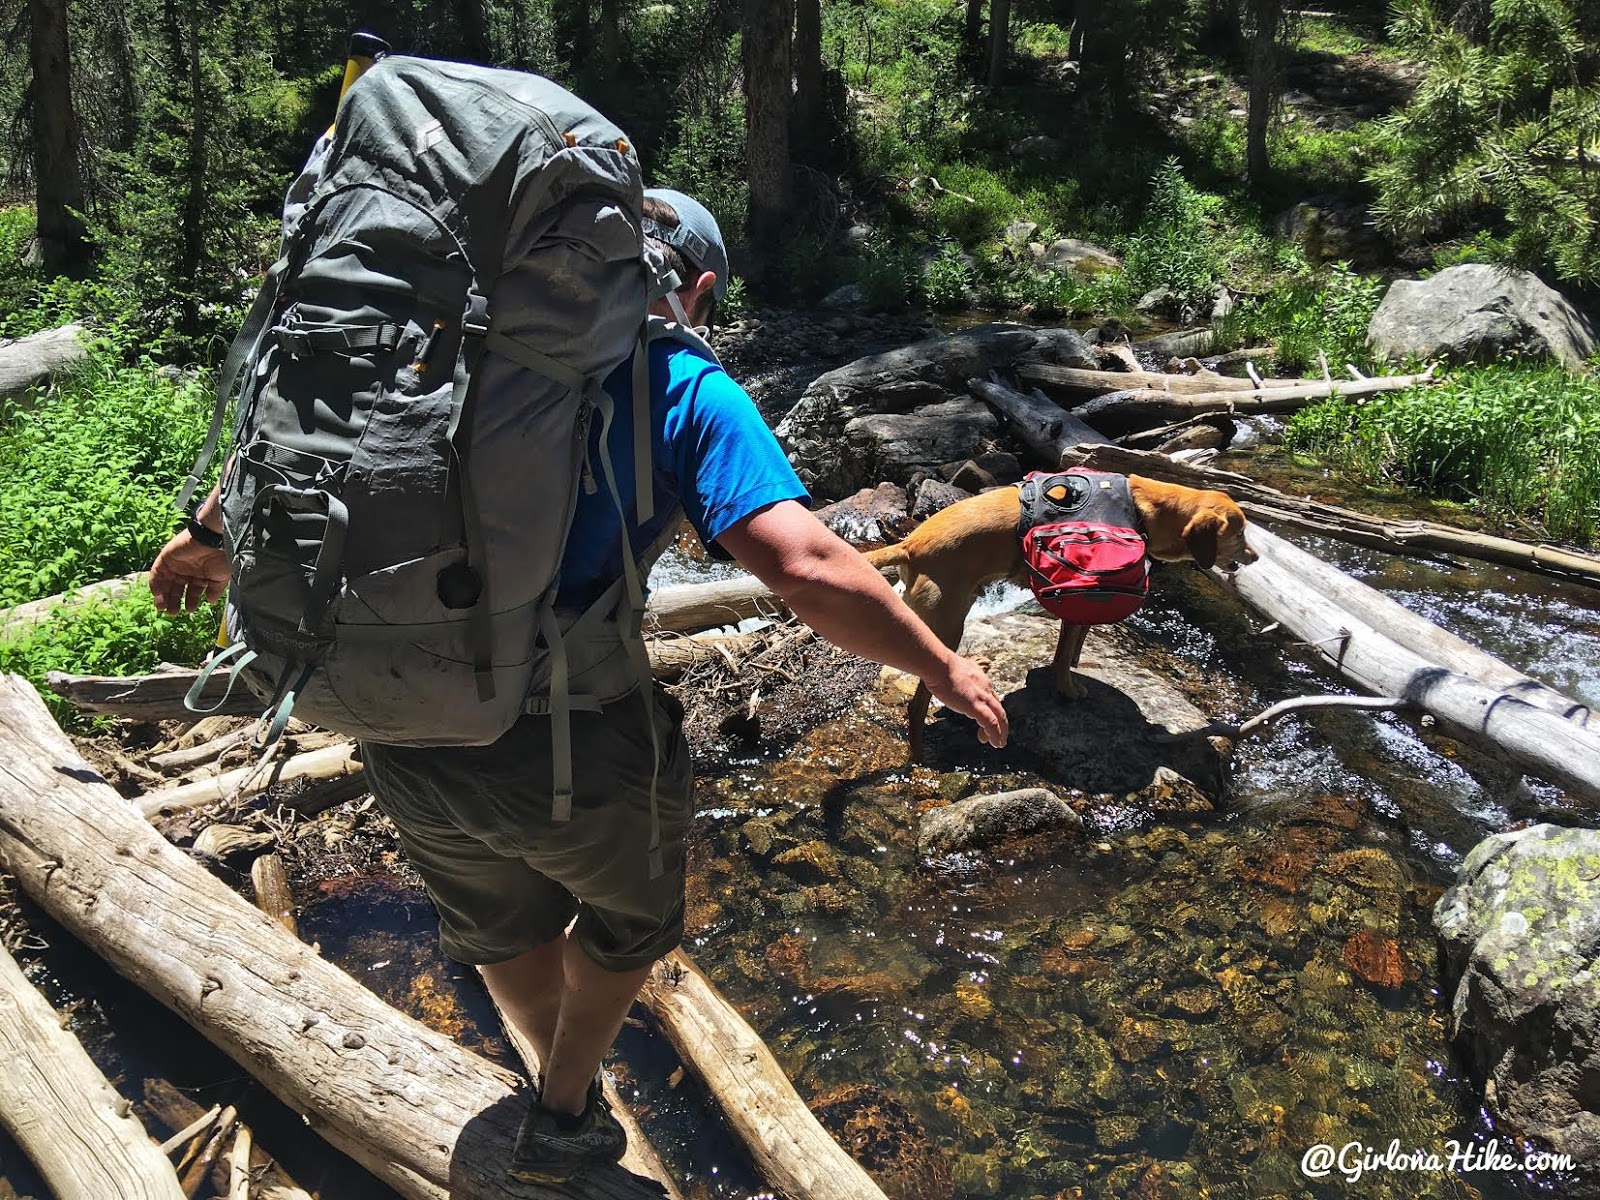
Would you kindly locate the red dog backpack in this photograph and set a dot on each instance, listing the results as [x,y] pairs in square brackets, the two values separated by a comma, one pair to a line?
[1080,538]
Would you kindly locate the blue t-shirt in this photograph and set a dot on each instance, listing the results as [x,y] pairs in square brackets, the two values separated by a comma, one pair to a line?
[712,455]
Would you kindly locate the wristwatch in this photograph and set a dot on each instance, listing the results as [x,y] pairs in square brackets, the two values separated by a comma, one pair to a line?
[206,537]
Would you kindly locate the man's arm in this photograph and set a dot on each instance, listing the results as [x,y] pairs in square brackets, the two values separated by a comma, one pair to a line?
[830,587]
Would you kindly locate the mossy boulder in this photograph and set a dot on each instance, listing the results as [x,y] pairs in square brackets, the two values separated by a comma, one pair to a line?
[1521,935]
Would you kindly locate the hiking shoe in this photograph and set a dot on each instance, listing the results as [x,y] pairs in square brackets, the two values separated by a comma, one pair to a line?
[548,1152]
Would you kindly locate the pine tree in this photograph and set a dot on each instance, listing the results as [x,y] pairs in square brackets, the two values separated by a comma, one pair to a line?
[1505,126]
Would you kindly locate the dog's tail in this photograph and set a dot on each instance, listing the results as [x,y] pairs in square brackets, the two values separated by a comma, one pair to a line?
[890,556]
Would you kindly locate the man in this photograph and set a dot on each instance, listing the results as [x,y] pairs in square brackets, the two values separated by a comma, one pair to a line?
[562,917]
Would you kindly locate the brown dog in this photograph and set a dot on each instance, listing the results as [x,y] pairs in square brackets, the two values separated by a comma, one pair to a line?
[955,553]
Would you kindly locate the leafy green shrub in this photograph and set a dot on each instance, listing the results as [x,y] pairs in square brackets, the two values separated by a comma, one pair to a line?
[1311,314]
[888,274]
[87,476]
[1521,441]
[126,636]
[1175,246]
[948,280]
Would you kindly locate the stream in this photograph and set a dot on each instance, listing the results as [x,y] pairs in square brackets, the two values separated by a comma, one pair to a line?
[1180,1004]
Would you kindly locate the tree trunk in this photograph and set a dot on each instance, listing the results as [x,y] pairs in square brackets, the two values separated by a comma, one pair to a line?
[192,246]
[999,40]
[767,29]
[474,24]
[972,38]
[63,1113]
[425,1116]
[57,173]
[1266,15]
[810,115]
[1493,718]
[610,35]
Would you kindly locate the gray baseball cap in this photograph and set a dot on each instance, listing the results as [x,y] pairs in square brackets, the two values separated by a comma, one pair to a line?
[697,236]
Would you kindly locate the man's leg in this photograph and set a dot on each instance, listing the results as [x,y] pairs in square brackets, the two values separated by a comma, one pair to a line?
[528,989]
[593,1003]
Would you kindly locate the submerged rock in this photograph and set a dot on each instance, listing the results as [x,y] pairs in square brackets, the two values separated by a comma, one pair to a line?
[883,1136]
[1030,823]
[1521,936]
[1479,313]
[1105,745]
[865,416]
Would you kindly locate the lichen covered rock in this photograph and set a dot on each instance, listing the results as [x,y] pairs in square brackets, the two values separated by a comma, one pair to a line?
[1521,936]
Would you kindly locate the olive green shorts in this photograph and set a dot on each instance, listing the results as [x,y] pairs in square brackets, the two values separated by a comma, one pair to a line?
[505,877]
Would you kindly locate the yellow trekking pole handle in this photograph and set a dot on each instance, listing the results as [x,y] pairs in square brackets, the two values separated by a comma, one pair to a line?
[365,49]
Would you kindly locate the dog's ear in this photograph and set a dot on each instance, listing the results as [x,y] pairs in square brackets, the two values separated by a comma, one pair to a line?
[1201,534]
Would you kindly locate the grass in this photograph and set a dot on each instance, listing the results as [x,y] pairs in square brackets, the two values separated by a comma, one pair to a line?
[1518,441]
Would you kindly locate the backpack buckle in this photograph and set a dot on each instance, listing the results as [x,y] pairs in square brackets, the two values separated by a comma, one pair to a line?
[476,319]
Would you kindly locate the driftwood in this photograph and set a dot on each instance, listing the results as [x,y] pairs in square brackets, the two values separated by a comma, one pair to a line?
[331,762]
[1073,386]
[73,1125]
[695,606]
[187,758]
[427,1117]
[1046,430]
[1493,717]
[641,1157]
[791,1150]
[269,1181]
[1124,412]
[1397,537]
[31,361]
[159,696]
[1272,712]
[15,620]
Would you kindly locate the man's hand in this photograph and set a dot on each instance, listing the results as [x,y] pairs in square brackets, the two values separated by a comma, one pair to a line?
[187,574]
[967,689]
[834,590]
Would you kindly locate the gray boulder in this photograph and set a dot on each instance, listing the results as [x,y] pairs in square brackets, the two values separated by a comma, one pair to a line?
[935,495]
[1070,254]
[1028,824]
[850,295]
[1521,937]
[873,516]
[1333,227]
[890,415]
[1478,313]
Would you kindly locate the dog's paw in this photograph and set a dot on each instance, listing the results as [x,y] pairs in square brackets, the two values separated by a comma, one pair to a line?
[1072,688]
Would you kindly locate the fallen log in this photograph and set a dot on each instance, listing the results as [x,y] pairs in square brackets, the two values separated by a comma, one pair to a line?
[791,1150]
[1073,386]
[430,1119]
[31,361]
[187,758]
[178,1112]
[331,762]
[1310,516]
[1494,718]
[273,895]
[691,607]
[1124,412]
[1208,431]
[1046,430]
[159,696]
[70,1122]
[17,619]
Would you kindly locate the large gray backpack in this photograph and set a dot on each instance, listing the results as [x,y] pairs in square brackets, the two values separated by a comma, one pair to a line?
[461,268]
